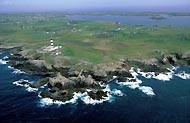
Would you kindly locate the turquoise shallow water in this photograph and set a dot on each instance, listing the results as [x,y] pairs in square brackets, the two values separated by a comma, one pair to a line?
[169,105]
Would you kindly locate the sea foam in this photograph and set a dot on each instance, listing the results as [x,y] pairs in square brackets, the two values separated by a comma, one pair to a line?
[147,75]
[6,57]
[88,100]
[16,71]
[161,76]
[147,90]
[77,96]
[183,75]
[136,85]
[132,85]
[117,92]
[21,80]
[10,67]
[3,61]
[48,101]
[28,88]
[84,97]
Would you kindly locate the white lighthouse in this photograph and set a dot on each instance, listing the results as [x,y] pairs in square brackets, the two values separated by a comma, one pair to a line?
[51,43]
[53,49]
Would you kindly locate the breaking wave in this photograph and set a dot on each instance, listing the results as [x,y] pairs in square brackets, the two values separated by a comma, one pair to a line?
[84,97]
[88,100]
[28,88]
[6,57]
[161,76]
[147,90]
[48,101]
[16,71]
[164,77]
[117,92]
[21,80]
[3,61]
[133,83]
[183,75]
[136,84]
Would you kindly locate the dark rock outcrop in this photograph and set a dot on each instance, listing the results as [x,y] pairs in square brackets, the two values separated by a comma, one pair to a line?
[175,59]
[97,95]
[122,74]
[22,63]
[40,83]
[24,83]
[63,95]
[147,67]
[62,82]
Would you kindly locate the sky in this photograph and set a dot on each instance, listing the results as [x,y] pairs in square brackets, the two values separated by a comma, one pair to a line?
[93,5]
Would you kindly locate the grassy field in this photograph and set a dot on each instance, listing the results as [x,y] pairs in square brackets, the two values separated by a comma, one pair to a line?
[94,42]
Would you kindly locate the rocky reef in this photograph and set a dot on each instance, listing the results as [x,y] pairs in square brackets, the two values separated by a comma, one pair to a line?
[62,82]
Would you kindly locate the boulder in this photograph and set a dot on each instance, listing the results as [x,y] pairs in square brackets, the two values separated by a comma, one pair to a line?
[57,95]
[59,81]
[24,83]
[97,95]
[40,83]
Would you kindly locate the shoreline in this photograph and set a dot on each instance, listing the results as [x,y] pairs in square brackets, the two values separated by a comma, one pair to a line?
[63,82]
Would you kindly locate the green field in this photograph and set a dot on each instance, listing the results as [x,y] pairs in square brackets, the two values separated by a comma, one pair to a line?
[92,42]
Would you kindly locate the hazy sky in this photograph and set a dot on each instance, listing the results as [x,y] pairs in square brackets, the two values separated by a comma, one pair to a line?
[90,5]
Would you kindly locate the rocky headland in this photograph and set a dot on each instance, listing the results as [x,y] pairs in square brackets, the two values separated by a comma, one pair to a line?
[63,81]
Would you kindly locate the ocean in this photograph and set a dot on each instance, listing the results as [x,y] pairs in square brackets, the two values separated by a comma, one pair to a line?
[154,99]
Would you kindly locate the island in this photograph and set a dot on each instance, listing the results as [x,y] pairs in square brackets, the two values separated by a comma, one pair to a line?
[158,17]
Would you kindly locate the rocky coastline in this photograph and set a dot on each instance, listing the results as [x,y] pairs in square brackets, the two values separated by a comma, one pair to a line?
[62,82]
